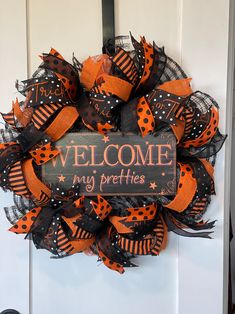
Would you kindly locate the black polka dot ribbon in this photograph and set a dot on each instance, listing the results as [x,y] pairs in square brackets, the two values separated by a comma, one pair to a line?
[165,106]
[45,90]
[104,104]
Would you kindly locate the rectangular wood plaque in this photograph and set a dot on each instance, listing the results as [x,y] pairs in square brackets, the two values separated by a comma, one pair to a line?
[115,164]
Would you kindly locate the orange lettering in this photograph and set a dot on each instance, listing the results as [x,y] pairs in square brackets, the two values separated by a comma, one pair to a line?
[106,156]
[149,155]
[162,154]
[120,155]
[63,158]
[77,155]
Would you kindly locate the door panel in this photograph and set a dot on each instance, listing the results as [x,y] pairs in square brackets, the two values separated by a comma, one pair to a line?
[78,284]
[204,57]
[157,20]
[14,261]
[69,26]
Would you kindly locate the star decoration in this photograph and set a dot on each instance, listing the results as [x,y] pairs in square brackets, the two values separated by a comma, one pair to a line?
[61,178]
[105,139]
[152,185]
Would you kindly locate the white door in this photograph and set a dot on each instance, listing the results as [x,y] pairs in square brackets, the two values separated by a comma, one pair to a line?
[188,276]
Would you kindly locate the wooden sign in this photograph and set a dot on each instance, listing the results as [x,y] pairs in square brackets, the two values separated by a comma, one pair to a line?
[115,164]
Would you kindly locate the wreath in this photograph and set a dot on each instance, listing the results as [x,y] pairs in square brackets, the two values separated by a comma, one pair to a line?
[142,91]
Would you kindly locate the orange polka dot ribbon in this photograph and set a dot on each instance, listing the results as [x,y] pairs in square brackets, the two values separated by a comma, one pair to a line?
[142,91]
[145,118]
[43,153]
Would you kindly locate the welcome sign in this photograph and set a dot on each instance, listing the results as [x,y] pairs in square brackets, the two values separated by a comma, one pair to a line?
[115,164]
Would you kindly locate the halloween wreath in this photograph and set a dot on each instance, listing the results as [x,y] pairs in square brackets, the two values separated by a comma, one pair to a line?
[142,91]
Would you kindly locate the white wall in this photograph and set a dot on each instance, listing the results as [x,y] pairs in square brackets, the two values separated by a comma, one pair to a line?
[188,276]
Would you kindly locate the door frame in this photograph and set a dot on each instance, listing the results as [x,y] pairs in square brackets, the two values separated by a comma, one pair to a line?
[228,151]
